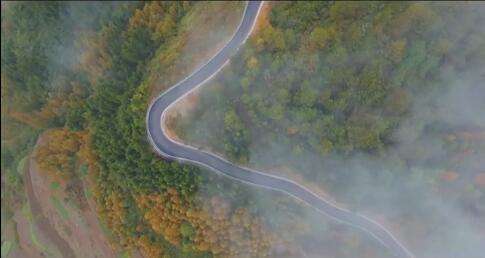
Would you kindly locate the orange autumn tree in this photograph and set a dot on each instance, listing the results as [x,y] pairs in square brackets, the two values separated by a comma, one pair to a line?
[57,154]
[215,228]
[114,214]
[158,17]
[148,248]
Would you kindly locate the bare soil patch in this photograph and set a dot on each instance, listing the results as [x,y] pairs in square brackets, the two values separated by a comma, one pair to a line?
[40,219]
[78,227]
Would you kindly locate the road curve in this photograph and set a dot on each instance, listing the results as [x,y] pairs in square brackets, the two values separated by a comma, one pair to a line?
[173,150]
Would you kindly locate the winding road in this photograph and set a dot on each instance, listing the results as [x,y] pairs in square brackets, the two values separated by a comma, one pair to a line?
[173,150]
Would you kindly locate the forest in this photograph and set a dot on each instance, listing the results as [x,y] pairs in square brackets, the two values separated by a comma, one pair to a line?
[337,77]
[323,81]
[377,104]
[84,84]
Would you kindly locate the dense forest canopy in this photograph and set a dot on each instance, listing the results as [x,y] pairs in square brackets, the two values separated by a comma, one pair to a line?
[379,104]
[358,99]
[340,77]
[83,79]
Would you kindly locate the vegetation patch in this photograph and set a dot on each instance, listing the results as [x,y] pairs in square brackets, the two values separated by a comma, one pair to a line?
[55,185]
[6,248]
[61,209]
[35,240]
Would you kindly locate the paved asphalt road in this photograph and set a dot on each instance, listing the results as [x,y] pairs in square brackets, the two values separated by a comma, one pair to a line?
[178,151]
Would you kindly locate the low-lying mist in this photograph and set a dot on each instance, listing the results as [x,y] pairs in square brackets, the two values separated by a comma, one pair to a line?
[424,184]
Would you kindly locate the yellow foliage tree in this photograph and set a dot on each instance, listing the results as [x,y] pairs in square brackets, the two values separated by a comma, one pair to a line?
[56,155]
[217,228]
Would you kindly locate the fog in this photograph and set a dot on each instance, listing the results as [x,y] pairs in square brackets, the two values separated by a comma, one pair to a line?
[404,187]
[80,21]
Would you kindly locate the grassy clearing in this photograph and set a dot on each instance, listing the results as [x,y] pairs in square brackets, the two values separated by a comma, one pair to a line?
[125,254]
[55,186]
[21,165]
[60,207]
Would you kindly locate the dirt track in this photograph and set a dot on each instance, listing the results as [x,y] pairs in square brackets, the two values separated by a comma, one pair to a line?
[40,220]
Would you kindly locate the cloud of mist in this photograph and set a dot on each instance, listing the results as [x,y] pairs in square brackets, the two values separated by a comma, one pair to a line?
[79,22]
[402,188]
[432,217]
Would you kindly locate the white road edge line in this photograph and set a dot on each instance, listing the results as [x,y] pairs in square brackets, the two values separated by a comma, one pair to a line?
[163,115]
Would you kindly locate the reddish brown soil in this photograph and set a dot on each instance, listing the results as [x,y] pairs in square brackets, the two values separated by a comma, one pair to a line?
[26,247]
[41,221]
[81,232]
[20,230]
